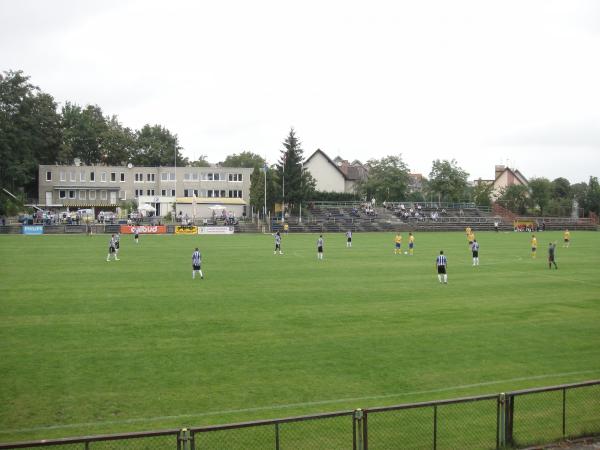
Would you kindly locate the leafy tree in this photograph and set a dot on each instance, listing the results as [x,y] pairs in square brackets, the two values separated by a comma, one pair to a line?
[515,198]
[118,144]
[447,180]
[157,146]
[200,162]
[482,194]
[83,130]
[30,133]
[297,181]
[561,188]
[592,196]
[257,188]
[387,181]
[541,193]
[244,159]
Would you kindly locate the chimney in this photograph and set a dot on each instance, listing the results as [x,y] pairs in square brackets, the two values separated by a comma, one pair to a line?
[499,170]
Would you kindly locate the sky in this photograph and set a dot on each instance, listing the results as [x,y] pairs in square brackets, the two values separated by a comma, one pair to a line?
[484,82]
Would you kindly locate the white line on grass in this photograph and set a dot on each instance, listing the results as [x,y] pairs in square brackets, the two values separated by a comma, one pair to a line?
[293,405]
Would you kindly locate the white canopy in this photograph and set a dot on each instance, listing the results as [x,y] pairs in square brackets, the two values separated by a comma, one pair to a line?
[216,207]
[146,207]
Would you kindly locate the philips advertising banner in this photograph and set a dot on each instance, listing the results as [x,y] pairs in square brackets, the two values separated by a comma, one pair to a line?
[144,229]
[186,230]
[215,230]
[33,229]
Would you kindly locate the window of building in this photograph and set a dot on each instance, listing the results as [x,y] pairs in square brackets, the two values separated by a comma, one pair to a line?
[92,195]
[139,177]
[48,175]
[81,176]
[62,194]
[209,193]
[150,192]
[150,177]
[81,195]
[235,194]
[187,176]
[92,176]
[235,177]
[71,193]
[195,176]
[209,176]
[163,192]
[190,192]
[122,177]
[63,176]
[73,176]
[222,193]
[113,176]
[103,195]
[103,177]
[171,176]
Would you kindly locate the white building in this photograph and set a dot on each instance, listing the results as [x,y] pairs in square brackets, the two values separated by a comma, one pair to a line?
[337,175]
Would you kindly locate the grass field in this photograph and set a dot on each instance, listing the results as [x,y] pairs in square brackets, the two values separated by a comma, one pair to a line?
[89,346]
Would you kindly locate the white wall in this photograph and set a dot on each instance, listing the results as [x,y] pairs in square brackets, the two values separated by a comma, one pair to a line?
[328,178]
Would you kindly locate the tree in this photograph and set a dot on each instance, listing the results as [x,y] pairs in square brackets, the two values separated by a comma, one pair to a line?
[257,187]
[200,162]
[30,133]
[561,188]
[387,181]
[447,180]
[297,181]
[157,146]
[592,196]
[118,144]
[482,194]
[244,159]
[515,198]
[541,193]
[83,130]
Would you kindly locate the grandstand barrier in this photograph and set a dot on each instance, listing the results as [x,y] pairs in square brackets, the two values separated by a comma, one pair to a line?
[494,421]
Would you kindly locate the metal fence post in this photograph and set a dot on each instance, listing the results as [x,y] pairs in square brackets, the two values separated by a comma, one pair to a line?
[500,423]
[358,429]
[508,420]
[434,427]
[183,439]
[277,436]
[564,412]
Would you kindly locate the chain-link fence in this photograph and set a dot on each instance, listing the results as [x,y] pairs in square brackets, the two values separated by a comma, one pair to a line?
[513,419]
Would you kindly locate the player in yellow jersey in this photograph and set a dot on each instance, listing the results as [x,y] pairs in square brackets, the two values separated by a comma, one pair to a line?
[411,243]
[533,246]
[467,231]
[566,238]
[398,244]
[471,238]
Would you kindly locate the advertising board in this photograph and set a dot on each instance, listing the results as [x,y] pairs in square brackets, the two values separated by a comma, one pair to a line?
[215,230]
[144,229]
[186,230]
[33,229]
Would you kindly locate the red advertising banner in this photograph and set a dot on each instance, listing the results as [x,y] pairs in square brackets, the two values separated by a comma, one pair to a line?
[144,229]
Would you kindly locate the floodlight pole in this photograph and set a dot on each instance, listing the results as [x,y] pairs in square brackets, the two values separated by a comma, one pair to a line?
[283,196]
[301,192]
[265,207]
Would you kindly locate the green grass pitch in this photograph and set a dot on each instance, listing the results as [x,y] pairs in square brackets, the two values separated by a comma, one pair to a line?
[89,346]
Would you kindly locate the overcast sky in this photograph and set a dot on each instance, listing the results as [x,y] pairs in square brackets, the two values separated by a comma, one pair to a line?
[484,82]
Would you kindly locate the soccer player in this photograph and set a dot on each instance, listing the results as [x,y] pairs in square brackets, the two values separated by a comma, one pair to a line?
[117,245]
[411,244]
[136,235]
[111,249]
[398,243]
[551,255]
[471,237]
[320,247]
[441,263]
[277,244]
[475,250]
[196,264]
[533,246]
[566,238]
[348,238]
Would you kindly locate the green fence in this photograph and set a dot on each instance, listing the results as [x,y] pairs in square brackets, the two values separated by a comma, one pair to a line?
[505,420]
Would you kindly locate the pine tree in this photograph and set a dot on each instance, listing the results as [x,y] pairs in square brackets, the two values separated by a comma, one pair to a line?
[296,183]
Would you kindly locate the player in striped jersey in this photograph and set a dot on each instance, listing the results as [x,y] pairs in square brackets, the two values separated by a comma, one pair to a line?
[442,263]
[196,264]
[277,244]
[111,249]
[320,247]
[475,250]
[117,245]
[349,238]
